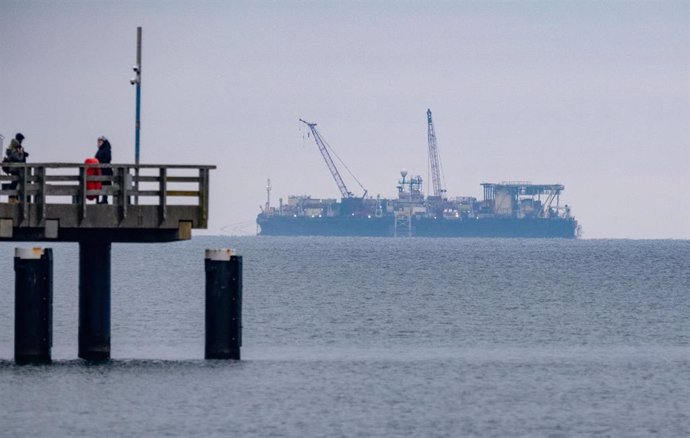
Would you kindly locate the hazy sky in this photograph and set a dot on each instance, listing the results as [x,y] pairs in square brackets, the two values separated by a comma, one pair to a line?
[592,95]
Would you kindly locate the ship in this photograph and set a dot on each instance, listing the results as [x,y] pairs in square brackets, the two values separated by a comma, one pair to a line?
[508,209]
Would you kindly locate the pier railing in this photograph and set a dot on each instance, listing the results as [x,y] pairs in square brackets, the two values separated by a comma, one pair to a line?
[64,195]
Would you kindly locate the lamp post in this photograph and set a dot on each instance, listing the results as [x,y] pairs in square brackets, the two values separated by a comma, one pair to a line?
[137,126]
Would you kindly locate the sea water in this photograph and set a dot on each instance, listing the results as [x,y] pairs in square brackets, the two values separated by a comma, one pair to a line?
[371,337]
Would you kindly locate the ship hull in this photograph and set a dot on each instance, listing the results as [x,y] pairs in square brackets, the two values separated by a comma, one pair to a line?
[276,225]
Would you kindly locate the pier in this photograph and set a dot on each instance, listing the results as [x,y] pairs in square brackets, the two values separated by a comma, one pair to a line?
[147,203]
[57,202]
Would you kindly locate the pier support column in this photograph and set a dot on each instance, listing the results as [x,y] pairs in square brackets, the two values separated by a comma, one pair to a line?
[223,304]
[33,305]
[94,300]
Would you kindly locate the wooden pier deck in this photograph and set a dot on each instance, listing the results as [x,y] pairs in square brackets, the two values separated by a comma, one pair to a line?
[147,203]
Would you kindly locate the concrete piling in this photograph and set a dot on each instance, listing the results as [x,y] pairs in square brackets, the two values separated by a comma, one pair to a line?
[223,304]
[94,300]
[33,305]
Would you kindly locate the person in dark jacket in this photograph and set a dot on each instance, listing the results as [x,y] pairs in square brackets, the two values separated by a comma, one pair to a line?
[15,153]
[103,155]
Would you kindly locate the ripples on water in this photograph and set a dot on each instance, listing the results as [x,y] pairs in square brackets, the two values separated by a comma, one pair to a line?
[374,337]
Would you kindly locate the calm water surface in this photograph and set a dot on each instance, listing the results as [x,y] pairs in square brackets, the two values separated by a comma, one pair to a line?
[372,337]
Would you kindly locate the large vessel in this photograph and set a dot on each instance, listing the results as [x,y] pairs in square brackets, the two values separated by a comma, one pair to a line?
[509,209]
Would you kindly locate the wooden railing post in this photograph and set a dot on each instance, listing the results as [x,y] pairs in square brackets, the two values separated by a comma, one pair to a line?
[22,192]
[122,198]
[81,199]
[162,198]
[41,195]
[136,183]
[203,196]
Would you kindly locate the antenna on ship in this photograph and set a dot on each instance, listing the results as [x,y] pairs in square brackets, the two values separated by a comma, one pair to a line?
[268,195]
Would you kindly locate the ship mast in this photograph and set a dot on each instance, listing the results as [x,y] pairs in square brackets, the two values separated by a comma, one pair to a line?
[268,195]
[434,162]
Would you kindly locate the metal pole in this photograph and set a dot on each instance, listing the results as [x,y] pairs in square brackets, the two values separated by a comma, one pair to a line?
[223,304]
[137,70]
[33,305]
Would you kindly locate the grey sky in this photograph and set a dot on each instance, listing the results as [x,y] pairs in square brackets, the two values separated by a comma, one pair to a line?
[593,95]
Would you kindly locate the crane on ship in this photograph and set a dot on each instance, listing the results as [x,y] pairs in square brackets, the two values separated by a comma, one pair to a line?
[434,162]
[324,148]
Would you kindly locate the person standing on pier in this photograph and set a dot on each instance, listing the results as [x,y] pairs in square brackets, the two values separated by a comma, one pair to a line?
[15,153]
[103,155]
